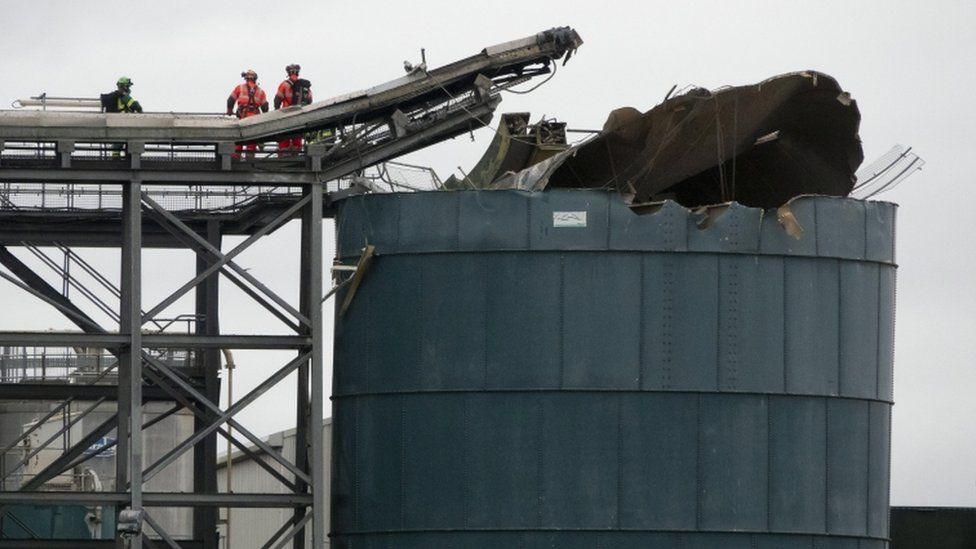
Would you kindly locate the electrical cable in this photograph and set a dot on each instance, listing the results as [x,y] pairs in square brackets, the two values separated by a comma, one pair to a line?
[537,86]
[489,126]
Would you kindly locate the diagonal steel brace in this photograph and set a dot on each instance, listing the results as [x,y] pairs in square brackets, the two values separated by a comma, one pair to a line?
[73,313]
[278,533]
[37,425]
[182,399]
[199,250]
[293,532]
[200,434]
[55,436]
[225,259]
[199,397]
[102,449]
[257,459]
[159,530]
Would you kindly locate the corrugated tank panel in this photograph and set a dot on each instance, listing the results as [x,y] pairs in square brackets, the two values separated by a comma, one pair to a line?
[554,370]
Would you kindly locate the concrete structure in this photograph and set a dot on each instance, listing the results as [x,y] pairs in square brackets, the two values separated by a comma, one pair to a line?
[554,370]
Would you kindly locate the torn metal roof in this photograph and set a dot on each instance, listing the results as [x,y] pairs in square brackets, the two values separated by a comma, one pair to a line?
[760,145]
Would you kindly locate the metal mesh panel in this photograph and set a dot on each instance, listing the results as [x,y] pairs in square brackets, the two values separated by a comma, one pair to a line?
[387,177]
[408,177]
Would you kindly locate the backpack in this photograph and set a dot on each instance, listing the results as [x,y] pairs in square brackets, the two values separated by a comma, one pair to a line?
[110,101]
[301,90]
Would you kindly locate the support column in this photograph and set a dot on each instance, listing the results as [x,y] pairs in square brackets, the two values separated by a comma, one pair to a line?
[303,403]
[311,299]
[129,456]
[205,452]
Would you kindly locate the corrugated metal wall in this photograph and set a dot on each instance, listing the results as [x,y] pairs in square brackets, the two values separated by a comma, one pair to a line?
[251,528]
[508,377]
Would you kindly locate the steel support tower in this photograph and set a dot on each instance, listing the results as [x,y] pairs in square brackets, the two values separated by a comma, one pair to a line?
[128,170]
[280,190]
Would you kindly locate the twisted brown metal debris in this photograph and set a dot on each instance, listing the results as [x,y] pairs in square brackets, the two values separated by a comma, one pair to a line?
[759,145]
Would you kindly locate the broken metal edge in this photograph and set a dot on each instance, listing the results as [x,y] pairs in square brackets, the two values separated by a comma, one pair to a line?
[516,220]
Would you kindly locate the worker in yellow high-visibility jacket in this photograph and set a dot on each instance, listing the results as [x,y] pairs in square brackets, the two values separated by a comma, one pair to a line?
[121,99]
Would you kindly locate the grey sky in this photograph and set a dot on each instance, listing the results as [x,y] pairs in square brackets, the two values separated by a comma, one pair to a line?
[909,65]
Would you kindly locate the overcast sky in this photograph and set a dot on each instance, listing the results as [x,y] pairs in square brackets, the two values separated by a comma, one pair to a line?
[909,65]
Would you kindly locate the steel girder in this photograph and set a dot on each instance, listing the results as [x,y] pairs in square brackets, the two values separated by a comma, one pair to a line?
[79,544]
[160,499]
[153,340]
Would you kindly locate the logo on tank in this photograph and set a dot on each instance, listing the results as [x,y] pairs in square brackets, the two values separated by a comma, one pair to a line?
[569,219]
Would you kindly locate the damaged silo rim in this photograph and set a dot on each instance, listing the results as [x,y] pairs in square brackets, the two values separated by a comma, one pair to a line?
[709,213]
[747,232]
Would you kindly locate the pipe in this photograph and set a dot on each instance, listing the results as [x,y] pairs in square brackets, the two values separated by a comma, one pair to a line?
[229,364]
[60,102]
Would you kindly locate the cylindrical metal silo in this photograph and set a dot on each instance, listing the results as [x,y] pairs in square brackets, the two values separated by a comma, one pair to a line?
[553,370]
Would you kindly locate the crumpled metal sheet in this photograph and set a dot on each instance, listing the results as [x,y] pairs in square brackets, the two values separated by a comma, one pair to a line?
[517,144]
[759,145]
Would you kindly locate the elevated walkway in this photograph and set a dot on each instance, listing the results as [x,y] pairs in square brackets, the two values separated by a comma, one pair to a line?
[408,100]
[80,161]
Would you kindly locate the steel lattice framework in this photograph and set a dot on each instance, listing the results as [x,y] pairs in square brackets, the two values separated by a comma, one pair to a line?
[133,182]
[283,194]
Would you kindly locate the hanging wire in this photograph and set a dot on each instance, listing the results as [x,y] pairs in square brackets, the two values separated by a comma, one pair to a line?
[537,86]
[460,103]
[719,146]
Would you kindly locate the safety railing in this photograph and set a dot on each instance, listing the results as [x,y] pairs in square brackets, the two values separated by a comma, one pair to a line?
[77,366]
[68,197]
[385,177]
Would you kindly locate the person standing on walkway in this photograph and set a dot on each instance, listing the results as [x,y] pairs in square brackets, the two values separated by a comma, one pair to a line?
[250,100]
[292,91]
[121,99]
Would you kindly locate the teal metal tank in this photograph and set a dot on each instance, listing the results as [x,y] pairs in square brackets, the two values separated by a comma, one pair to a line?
[55,522]
[555,370]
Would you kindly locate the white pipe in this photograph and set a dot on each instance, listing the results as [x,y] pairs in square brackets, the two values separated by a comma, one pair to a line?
[61,102]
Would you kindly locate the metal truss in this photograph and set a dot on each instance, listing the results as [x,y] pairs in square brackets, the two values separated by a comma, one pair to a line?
[143,375]
[131,188]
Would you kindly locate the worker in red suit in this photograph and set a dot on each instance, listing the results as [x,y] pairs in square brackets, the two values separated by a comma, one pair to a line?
[292,91]
[250,100]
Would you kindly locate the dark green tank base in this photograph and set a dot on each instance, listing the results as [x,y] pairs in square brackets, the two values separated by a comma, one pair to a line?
[600,540]
[593,461]
[522,370]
